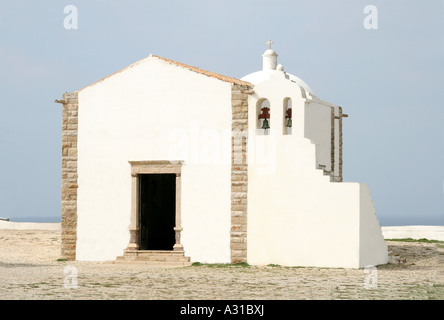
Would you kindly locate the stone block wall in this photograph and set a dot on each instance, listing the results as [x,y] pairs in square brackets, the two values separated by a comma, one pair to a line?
[239,173]
[69,175]
[336,133]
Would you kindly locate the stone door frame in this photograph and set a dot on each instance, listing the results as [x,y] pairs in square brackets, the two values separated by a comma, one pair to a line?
[153,167]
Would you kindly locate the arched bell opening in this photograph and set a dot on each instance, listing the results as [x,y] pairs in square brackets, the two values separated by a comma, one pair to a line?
[263,116]
[288,116]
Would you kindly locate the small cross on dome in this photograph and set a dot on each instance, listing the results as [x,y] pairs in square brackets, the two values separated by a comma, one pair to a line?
[269,42]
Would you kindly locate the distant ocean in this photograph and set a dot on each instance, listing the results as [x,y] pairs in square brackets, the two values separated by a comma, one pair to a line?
[36,219]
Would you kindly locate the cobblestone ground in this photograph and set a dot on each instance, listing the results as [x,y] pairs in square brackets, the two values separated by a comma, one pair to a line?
[29,270]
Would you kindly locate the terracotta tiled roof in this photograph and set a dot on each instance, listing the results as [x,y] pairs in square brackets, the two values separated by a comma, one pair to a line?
[183,65]
[205,72]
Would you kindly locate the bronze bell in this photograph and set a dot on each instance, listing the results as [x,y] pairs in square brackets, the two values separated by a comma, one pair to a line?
[289,122]
[265,124]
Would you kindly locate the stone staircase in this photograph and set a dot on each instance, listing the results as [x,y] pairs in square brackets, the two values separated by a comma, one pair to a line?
[155,258]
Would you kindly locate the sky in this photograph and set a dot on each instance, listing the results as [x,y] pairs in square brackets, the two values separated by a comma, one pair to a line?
[384,67]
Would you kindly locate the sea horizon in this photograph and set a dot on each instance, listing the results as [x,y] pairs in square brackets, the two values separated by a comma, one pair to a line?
[53,219]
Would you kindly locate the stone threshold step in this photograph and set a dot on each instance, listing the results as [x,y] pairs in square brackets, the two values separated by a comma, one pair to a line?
[155,258]
[160,252]
[154,263]
[160,255]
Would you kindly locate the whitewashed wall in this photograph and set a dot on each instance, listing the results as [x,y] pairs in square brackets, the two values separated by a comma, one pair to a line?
[154,111]
[296,216]
[318,129]
[373,249]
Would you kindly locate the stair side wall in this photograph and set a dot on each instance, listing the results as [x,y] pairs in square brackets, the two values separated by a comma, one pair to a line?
[372,246]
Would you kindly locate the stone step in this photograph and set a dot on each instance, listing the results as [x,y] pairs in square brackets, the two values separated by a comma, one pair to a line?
[154,257]
[154,263]
[161,252]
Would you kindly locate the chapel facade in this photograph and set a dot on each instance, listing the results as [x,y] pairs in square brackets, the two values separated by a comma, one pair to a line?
[166,163]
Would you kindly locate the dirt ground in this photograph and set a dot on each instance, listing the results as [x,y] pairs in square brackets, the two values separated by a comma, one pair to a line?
[29,270]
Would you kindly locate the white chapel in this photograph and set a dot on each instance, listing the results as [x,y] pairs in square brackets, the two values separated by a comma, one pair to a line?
[166,163]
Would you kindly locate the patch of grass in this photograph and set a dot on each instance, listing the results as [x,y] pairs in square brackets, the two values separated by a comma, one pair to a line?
[241,264]
[196,264]
[61,260]
[423,240]
[426,292]
[221,265]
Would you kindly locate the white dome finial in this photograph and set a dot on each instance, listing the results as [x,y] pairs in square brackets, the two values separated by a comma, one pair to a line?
[269,58]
